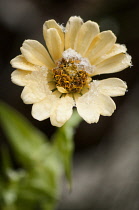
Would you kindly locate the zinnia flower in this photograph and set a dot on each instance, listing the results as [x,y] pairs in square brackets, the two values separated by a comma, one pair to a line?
[60,76]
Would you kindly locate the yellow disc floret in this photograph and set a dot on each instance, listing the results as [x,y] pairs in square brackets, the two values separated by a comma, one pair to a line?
[70,76]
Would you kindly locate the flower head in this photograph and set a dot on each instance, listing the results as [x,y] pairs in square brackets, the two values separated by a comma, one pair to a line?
[60,76]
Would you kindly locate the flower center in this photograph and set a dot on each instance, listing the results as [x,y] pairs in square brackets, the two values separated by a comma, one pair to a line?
[70,74]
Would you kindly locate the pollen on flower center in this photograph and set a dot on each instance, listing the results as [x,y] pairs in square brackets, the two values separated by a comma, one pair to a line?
[70,74]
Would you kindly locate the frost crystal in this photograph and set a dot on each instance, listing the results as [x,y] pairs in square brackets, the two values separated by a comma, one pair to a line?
[62,27]
[84,63]
[71,54]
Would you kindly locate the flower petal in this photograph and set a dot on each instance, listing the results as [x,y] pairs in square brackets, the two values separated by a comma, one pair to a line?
[87,109]
[54,43]
[100,45]
[36,88]
[93,103]
[53,24]
[106,105]
[115,50]
[113,64]
[72,28]
[62,111]
[111,87]
[42,109]
[35,53]
[85,36]
[19,62]
[18,77]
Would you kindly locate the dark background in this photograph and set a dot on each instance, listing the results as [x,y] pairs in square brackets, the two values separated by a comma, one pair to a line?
[106,159]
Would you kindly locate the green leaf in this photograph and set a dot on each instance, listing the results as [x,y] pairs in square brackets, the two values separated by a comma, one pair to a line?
[43,162]
[48,205]
[6,162]
[28,142]
[42,167]
[64,144]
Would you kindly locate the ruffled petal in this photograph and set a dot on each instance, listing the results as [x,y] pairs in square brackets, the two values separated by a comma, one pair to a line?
[115,50]
[113,64]
[19,62]
[54,43]
[35,53]
[62,111]
[72,28]
[36,88]
[42,109]
[18,77]
[100,45]
[111,87]
[53,24]
[85,36]
[93,104]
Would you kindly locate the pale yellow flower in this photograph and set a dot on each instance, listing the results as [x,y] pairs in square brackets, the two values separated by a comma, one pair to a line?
[60,77]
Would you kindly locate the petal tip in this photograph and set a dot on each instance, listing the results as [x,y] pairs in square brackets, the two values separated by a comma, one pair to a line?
[75,18]
[37,116]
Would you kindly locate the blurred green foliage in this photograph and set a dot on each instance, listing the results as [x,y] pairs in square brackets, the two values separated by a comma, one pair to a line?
[36,184]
